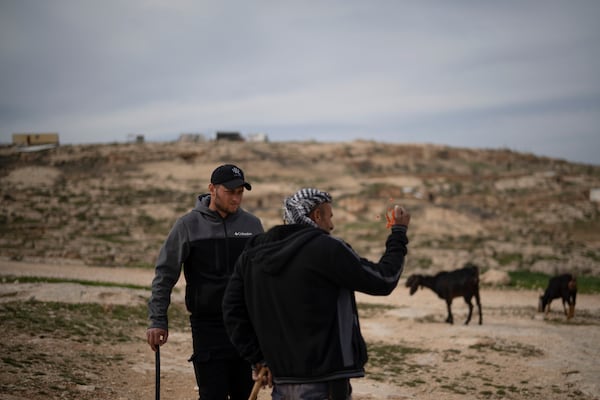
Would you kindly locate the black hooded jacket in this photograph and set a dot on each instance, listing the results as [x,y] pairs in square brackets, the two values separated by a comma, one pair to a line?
[290,301]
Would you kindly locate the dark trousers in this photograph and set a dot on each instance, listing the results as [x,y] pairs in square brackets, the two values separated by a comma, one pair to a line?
[228,379]
[340,389]
[221,374]
[333,390]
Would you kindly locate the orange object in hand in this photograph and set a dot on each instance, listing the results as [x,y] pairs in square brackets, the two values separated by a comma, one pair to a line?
[390,216]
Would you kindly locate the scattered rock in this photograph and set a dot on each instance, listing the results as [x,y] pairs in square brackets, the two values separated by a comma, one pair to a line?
[495,277]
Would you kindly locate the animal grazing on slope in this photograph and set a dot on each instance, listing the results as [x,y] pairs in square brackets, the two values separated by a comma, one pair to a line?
[447,285]
[560,287]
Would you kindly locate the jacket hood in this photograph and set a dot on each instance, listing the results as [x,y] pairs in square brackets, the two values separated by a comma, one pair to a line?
[271,251]
[202,202]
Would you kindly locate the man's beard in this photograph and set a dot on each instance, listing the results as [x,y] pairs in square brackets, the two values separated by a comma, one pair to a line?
[222,207]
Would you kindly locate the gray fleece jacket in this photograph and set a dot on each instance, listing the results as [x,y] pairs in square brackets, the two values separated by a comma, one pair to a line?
[206,246]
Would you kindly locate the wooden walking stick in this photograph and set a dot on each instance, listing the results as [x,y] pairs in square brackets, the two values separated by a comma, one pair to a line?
[258,384]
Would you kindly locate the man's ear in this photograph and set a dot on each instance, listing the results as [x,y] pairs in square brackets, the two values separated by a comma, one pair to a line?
[315,214]
[212,189]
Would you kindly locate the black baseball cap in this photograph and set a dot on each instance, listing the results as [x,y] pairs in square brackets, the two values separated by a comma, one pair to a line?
[229,176]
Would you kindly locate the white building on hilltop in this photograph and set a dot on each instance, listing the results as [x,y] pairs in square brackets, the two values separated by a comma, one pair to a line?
[258,137]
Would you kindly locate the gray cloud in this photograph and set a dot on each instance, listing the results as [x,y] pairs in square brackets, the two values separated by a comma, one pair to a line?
[516,74]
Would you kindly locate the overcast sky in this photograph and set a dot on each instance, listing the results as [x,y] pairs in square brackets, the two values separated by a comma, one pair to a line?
[523,75]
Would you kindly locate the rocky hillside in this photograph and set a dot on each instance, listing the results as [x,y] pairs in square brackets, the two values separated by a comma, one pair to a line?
[113,204]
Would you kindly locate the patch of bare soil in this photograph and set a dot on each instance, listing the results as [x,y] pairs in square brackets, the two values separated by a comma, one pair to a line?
[514,354]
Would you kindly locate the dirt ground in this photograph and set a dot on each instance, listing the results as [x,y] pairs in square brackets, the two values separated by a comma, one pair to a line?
[515,354]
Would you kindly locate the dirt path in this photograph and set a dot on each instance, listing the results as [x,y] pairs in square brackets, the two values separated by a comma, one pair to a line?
[515,354]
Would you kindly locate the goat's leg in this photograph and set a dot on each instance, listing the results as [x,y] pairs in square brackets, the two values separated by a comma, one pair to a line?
[571,311]
[468,301]
[571,306]
[450,319]
[564,303]
[547,310]
[478,300]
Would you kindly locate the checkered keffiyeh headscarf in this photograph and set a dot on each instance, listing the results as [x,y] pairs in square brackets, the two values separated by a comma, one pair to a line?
[297,207]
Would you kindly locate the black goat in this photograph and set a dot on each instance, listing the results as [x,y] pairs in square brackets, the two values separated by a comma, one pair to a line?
[448,285]
[560,287]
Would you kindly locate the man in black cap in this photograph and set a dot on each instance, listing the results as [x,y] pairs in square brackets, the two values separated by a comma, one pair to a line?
[290,302]
[206,242]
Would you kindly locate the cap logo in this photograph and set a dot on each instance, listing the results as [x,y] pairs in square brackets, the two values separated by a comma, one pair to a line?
[236,171]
